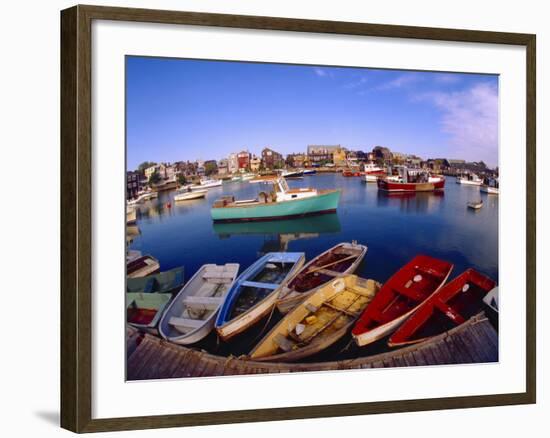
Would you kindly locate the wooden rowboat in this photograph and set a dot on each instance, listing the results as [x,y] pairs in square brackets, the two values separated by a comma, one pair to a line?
[341,259]
[321,320]
[254,293]
[400,296]
[191,315]
[164,282]
[142,266]
[143,311]
[452,305]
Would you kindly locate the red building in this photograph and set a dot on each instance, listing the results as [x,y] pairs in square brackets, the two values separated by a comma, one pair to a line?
[243,159]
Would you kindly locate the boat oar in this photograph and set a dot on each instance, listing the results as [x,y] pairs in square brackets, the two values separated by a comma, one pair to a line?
[331,263]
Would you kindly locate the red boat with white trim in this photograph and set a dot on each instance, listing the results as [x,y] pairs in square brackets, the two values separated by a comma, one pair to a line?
[400,297]
[411,180]
[452,305]
[372,172]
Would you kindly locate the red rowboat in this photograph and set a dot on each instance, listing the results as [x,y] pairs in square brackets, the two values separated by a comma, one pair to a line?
[399,297]
[452,305]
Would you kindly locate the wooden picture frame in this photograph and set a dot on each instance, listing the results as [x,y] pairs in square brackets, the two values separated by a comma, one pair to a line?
[76,201]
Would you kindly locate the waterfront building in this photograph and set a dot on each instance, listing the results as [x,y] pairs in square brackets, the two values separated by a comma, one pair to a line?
[297,161]
[255,163]
[322,154]
[223,166]
[272,159]
[159,168]
[233,163]
[133,184]
[339,157]
[243,160]
[210,167]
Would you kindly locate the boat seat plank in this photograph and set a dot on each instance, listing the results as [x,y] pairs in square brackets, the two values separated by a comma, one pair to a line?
[311,308]
[429,271]
[259,285]
[407,292]
[215,275]
[451,313]
[338,309]
[284,344]
[210,303]
[185,322]
[329,272]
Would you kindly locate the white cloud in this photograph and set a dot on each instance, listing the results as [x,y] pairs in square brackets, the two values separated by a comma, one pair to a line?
[470,118]
[400,81]
[320,72]
[356,84]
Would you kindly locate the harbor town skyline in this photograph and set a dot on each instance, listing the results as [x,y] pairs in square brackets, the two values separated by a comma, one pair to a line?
[189,110]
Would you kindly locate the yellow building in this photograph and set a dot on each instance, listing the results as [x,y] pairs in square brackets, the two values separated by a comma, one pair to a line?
[339,157]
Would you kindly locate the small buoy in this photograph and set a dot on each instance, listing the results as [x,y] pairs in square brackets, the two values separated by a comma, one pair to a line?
[417,278]
[169,205]
[465,287]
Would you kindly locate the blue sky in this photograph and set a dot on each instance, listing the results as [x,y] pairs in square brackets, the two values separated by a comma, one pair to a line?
[181,109]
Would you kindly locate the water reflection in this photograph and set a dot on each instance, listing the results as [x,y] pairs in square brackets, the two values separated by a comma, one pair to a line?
[278,234]
[411,202]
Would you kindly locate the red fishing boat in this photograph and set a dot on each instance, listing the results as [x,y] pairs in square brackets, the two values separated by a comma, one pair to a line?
[411,180]
[351,172]
[452,305]
[400,296]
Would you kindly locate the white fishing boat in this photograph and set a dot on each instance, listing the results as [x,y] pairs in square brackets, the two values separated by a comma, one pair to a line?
[206,184]
[294,174]
[247,176]
[490,187]
[187,196]
[191,315]
[372,172]
[471,179]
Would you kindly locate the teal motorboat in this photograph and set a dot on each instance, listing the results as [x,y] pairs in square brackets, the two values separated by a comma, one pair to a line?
[281,202]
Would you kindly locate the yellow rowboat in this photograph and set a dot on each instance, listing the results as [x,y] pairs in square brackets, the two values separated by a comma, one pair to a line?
[318,322]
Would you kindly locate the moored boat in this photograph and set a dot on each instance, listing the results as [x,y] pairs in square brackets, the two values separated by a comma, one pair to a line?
[411,180]
[192,313]
[143,311]
[206,184]
[292,174]
[349,172]
[187,196]
[452,305]
[400,296]
[309,171]
[490,186]
[341,259]
[164,282]
[168,184]
[469,179]
[281,202]
[475,205]
[372,172]
[318,322]
[255,291]
[142,266]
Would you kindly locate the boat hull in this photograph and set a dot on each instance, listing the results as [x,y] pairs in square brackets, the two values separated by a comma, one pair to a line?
[394,186]
[323,203]
[400,297]
[228,328]
[290,298]
[191,195]
[489,190]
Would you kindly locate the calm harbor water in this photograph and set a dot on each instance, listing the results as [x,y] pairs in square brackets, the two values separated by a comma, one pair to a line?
[394,227]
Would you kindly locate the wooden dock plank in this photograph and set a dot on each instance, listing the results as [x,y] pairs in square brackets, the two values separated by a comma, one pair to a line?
[474,341]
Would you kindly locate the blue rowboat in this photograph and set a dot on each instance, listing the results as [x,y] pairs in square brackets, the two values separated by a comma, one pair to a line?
[255,292]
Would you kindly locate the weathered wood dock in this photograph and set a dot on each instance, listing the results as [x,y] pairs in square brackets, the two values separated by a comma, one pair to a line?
[149,357]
